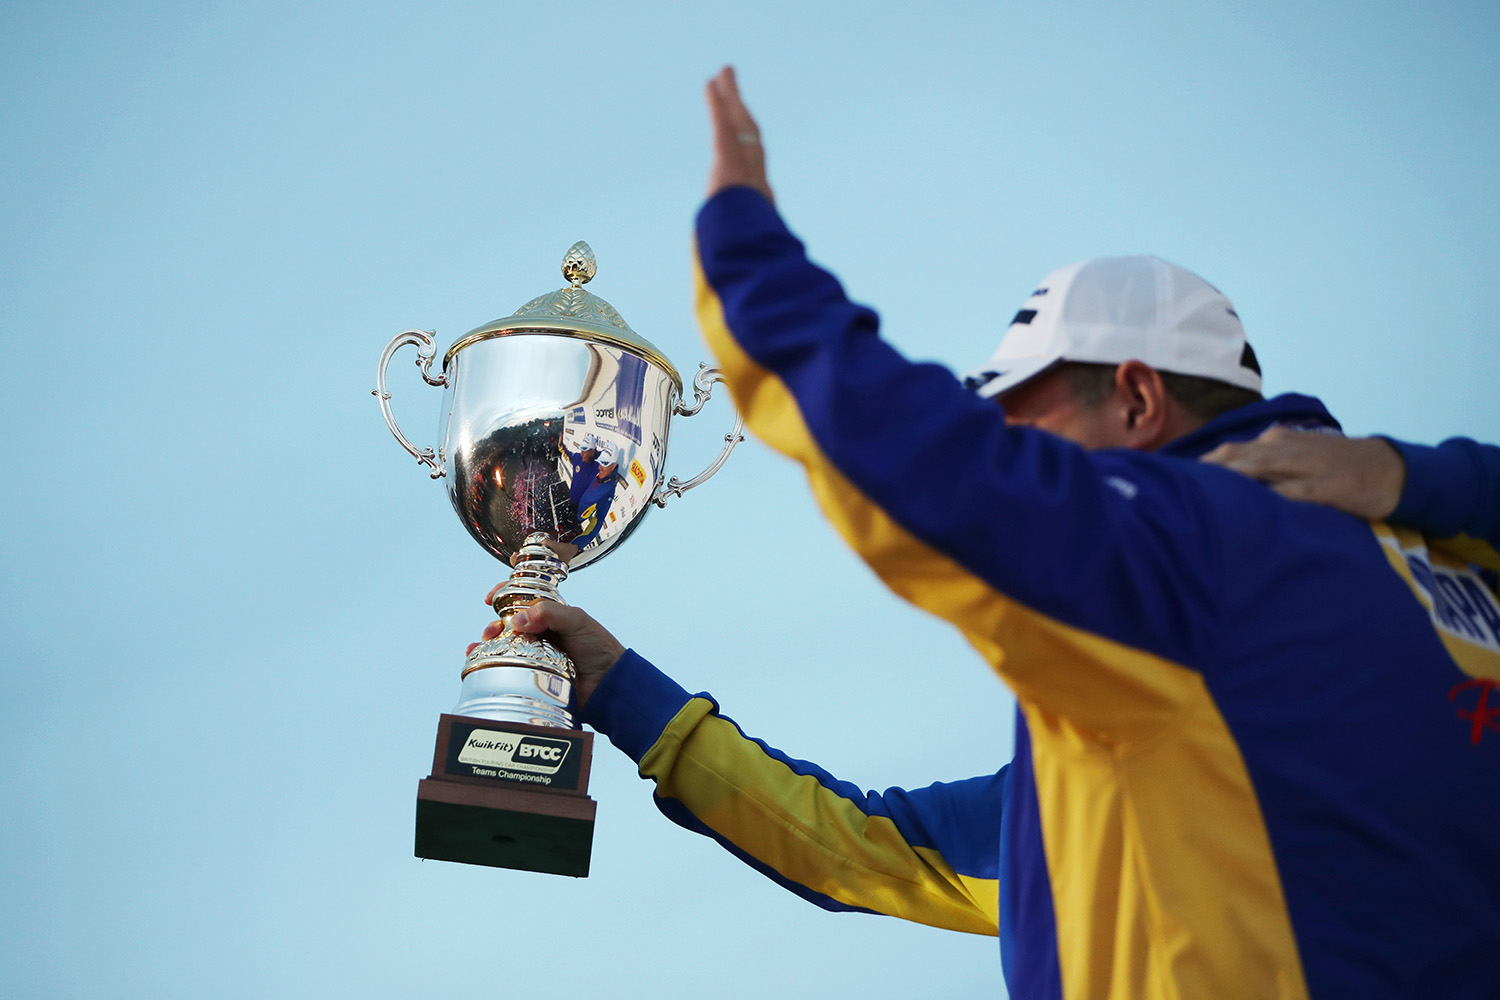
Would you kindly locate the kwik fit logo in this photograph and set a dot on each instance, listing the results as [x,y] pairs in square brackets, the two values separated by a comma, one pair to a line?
[538,754]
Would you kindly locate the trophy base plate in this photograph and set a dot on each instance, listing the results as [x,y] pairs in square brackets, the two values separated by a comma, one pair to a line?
[503,829]
[507,795]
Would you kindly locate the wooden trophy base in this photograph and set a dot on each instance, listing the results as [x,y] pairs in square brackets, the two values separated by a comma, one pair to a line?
[508,795]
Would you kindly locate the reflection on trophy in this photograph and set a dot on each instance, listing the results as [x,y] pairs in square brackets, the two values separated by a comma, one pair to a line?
[553,445]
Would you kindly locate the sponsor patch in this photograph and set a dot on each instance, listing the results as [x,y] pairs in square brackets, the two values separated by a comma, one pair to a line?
[1463,610]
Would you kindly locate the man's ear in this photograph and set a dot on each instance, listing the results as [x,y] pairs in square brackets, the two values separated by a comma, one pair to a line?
[1142,406]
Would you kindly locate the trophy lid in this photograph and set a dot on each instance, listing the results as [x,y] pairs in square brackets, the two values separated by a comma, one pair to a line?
[571,312]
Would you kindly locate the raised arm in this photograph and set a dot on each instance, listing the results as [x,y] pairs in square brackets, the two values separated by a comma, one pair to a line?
[930,854]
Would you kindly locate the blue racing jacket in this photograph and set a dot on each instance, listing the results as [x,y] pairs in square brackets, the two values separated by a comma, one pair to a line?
[929,854]
[1256,751]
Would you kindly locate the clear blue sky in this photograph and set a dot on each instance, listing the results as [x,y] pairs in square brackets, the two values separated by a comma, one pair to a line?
[231,609]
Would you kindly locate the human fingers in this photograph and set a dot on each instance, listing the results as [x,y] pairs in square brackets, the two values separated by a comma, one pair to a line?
[1360,476]
[491,631]
[590,644]
[1300,489]
[1278,453]
[739,157]
[593,650]
[1244,459]
[730,116]
[550,616]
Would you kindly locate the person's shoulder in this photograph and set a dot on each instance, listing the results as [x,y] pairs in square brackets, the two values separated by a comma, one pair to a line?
[1186,494]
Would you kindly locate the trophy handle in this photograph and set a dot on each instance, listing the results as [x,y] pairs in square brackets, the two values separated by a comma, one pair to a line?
[426,351]
[702,389]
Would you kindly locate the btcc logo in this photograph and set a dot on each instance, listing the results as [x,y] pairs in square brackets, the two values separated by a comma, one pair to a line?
[542,751]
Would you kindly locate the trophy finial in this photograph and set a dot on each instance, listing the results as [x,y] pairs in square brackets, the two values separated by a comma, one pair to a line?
[579,265]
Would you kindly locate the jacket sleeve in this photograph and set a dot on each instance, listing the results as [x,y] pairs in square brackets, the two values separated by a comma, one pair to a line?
[929,855]
[1452,493]
[1031,545]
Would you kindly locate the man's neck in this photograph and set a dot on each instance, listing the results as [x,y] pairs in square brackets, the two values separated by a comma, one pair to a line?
[1179,422]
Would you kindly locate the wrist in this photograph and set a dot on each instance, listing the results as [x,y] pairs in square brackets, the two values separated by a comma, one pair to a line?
[588,679]
[633,704]
[1389,473]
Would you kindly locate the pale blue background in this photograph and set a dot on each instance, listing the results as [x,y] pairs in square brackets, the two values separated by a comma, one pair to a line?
[231,609]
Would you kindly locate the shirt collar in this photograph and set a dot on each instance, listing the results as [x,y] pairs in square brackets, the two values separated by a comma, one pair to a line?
[1246,422]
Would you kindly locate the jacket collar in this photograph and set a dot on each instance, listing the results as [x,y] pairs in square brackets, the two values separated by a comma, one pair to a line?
[1246,422]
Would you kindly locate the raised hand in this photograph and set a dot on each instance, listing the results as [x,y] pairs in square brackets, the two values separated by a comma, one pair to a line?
[593,650]
[1361,476]
[739,157]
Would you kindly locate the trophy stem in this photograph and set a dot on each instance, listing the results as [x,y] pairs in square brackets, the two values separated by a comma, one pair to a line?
[504,792]
[515,677]
[537,572]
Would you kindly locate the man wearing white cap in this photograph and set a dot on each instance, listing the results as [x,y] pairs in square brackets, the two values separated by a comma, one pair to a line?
[593,497]
[1255,749]
[585,466]
[1113,310]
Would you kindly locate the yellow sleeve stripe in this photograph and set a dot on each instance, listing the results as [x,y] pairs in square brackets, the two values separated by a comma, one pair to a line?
[806,832]
[1470,550]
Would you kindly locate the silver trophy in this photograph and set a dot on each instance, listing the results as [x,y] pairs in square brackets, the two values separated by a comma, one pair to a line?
[553,446]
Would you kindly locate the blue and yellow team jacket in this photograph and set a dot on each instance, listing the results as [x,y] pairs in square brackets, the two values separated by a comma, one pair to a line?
[1258,744]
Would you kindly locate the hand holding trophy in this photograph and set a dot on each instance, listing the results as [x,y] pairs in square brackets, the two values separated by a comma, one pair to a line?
[553,446]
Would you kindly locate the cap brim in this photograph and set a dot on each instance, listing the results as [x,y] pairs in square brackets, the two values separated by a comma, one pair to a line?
[995,380]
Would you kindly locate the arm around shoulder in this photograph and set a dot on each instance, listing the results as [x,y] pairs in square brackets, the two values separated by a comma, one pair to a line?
[1452,489]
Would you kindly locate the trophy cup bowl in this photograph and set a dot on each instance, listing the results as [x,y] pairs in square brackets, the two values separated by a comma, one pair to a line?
[553,445]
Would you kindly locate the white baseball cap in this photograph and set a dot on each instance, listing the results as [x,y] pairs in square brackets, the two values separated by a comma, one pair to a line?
[1110,310]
